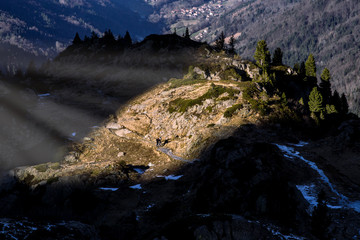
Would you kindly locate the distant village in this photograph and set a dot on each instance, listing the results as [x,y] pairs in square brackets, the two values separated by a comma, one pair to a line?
[212,9]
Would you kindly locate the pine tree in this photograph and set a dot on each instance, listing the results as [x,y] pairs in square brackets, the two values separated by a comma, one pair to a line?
[315,101]
[127,39]
[344,108]
[310,67]
[335,100]
[302,71]
[77,40]
[220,42]
[108,37]
[277,58]
[187,34]
[325,85]
[262,55]
[94,37]
[296,67]
[232,45]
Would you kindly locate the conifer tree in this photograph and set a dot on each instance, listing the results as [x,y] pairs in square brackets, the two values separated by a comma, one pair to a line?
[315,101]
[277,58]
[232,45]
[94,37]
[86,39]
[77,40]
[335,100]
[108,37]
[302,71]
[296,67]
[127,39]
[187,34]
[344,108]
[220,42]
[310,67]
[262,55]
[325,85]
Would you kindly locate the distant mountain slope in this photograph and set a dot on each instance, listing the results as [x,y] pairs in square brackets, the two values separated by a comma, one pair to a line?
[328,29]
[43,28]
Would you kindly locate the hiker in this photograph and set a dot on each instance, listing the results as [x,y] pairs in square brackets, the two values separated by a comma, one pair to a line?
[158,142]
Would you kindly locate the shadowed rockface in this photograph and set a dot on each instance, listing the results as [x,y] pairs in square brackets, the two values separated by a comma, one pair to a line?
[242,188]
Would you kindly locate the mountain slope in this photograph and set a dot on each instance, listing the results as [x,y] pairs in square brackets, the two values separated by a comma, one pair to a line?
[45,28]
[328,29]
[229,163]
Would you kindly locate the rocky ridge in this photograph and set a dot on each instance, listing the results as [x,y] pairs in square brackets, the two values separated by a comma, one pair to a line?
[144,119]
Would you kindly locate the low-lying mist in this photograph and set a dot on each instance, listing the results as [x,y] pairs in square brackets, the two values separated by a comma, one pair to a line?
[47,109]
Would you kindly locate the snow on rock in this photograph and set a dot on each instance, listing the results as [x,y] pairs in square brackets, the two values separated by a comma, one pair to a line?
[109,189]
[140,170]
[44,95]
[290,151]
[137,186]
[300,144]
[170,177]
[309,192]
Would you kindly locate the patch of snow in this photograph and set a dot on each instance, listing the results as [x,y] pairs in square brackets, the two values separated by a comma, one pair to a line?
[300,144]
[354,205]
[109,189]
[289,151]
[150,206]
[283,236]
[140,170]
[73,134]
[310,194]
[151,164]
[137,186]
[44,95]
[334,207]
[170,177]
[204,215]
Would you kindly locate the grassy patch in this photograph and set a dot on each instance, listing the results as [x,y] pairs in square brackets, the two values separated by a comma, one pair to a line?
[55,166]
[229,112]
[181,105]
[41,167]
[230,74]
[175,83]
[209,109]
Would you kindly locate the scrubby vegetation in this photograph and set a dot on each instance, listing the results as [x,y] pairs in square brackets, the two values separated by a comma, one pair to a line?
[229,112]
[181,105]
